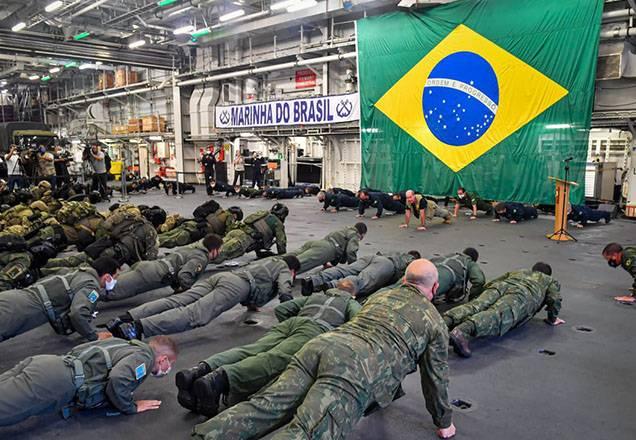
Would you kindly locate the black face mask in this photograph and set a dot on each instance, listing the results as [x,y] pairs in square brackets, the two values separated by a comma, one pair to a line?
[613,263]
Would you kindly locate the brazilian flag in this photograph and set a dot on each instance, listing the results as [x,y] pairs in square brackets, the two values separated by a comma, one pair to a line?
[491,95]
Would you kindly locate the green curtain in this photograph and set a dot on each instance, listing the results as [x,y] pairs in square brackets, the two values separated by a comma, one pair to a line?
[526,66]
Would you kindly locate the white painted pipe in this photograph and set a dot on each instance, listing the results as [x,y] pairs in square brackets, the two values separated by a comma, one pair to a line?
[618,33]
[264,69]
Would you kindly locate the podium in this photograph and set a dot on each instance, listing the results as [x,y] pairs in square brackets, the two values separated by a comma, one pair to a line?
[562,200]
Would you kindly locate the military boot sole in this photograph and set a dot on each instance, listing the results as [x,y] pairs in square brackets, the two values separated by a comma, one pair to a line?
[460,345]
[207,397]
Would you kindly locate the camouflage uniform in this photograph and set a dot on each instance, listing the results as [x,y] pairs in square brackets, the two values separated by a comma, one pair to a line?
[507,302]
[258,231]
[455,272]
[66,301]
[45,383]
[14,268]
[78,216]
[218,222]
[628,262]
[252,366]
[180,268]
[368,274]
[53,265]
[256,285]
[250,193]
[337,247]
[336,376]
[180,235]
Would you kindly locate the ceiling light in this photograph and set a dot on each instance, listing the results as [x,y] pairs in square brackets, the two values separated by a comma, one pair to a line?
[87,66]
[18,27]
[136,44]
[163,3]
[76,141]
[98,63]
[81,36]
[155,138]
[183,30]
[180,11]
[54,6]
[3,83]
[282,5]
[201,32]
[302,5]
[557,126]
[232,15]
[46,78]
[5,91]
[70,64]
[34,77]
[55,70]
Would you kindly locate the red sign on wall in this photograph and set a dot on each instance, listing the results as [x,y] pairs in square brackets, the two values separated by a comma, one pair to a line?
[305,78]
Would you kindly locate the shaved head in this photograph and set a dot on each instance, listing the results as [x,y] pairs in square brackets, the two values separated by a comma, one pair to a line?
[422,274]
[410,193]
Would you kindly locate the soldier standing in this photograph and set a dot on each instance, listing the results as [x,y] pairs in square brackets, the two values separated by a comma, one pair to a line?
[337,247]
[506,303]
[336,376]
[89,376]
[66,301]
[253,287]
[625,257]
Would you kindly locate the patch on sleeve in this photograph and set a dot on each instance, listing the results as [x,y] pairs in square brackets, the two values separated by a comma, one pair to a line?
[93,296]
[199,268]
[628,262]
[140,371]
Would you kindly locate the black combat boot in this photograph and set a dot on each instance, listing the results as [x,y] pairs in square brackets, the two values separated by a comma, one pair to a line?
[460,343]
[306,286]
[185,380]
[126,330]
[208,390]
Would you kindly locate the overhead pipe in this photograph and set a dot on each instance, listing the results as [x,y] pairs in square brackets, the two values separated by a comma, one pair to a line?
[264,69]
[618,33]
[620,13]
[160,86]
[88,8]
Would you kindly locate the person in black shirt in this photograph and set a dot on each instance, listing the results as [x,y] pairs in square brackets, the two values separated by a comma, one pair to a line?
[209,163]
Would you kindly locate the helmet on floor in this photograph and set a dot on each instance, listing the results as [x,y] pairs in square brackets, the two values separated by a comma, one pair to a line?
[236,212]
[281,211]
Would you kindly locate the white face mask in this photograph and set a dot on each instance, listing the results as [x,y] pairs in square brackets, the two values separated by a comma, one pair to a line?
[110,285]
[162,373]
[461,196]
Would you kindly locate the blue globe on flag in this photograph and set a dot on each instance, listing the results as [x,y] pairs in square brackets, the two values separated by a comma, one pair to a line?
[460,98]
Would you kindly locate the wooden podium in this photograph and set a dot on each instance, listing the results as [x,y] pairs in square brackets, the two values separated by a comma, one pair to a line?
[562,201]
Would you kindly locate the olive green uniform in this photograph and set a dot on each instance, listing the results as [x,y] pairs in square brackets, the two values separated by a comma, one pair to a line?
[628,262]
[180,235]
[14,266]
[455,272]
[255,285]
[472,199]
[252,366]
[368,274]
[46,383]
[336,376]
[430,208]
[507,302]
[337,247]
[180,268]
[258,231]
[66,301]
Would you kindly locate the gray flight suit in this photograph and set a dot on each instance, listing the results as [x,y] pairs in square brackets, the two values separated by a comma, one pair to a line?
[252,366]
[455,272]
[368,274]
[256,285]
[337,247]
[67,301]
[180,268]
[47,383]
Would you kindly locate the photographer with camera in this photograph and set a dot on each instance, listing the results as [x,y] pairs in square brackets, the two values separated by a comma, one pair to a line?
[61,168]
[46,166]
[100,177]
[14,166]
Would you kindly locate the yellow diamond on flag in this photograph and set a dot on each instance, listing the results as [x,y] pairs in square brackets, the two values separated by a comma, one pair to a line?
[466,96]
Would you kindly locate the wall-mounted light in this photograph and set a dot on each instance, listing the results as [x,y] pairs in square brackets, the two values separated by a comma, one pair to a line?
[55,70]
